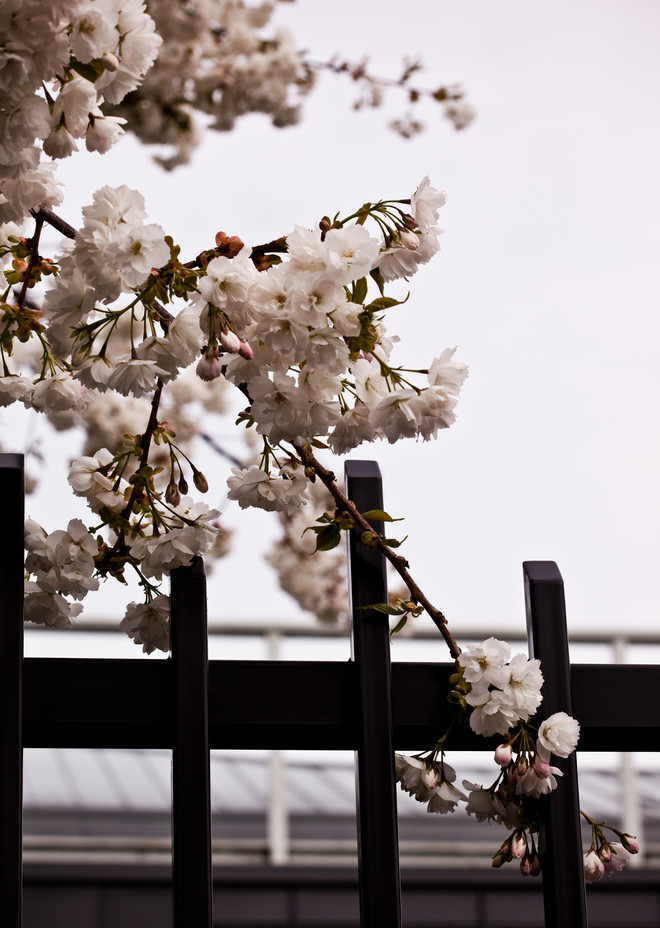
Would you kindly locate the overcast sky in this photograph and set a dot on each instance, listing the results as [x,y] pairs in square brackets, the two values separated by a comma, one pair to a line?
[547,282]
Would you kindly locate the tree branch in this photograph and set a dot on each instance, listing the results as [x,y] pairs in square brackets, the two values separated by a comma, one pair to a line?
[399,563]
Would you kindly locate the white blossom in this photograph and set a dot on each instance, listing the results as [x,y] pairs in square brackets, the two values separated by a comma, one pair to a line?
[60,393]
[593,867]
[559,734]
[425,203]
[148,624]
[486,662]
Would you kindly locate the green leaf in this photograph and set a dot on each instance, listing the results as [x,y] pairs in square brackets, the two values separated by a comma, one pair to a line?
[379,515]
[385,608]
[90,70]
[393,542]
[399,625]
[379,279]
[385,302]
[360,290]
[327,538]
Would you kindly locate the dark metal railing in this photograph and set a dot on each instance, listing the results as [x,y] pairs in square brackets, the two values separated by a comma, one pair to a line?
[191,705]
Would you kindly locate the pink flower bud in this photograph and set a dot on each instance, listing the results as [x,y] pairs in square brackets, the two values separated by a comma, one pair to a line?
[230,341]
[245,351]
[542,768]
[210,366]
[503,755]
[200,481]
[518,845]
[172,495]
[630,843]
[530,865]
[605,853]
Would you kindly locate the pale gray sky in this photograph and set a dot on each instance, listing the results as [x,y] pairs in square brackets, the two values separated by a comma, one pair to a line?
[547,283]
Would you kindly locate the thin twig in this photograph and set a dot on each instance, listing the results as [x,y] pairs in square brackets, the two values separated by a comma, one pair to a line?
[47,215]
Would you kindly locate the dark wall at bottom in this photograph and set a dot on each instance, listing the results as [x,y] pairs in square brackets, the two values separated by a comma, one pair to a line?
[310,897]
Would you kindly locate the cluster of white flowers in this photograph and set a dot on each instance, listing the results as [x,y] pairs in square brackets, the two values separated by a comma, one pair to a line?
[429,781]
[610,857]
[292,326]
[82,52]
[300,337]
[311,370]
[217,63]
[62,564]
[501,695]
[318,584]
[148,624]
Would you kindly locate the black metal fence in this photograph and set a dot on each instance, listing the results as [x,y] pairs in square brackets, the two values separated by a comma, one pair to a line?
[191,705]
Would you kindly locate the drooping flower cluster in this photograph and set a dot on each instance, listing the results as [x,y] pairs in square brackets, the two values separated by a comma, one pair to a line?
[429,781]
[606,857]
[62,564]
[500,695]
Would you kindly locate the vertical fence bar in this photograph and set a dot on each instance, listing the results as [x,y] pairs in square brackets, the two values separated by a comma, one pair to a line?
[378,844]
[11,690]
[191,789]
[564,896]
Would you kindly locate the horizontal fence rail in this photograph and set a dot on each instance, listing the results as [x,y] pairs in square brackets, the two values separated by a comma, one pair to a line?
[308,706]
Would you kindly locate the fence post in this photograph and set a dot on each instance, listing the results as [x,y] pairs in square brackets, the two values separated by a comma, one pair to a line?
[11,689]
[564,896]
[191,790]
[378,844]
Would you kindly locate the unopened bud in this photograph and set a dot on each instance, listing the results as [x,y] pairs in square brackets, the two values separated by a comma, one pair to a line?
[245,351]
[503,755]
[210,366]
[542,768]
[522,766]
[183,484]
[325,225]
[109,61]
[230,341]
[526,865]
[409,239]
[535,866]
[172,495]
[605,853]
[498,860]
[518,845]
[630,843]
[429,777]
[200,481]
